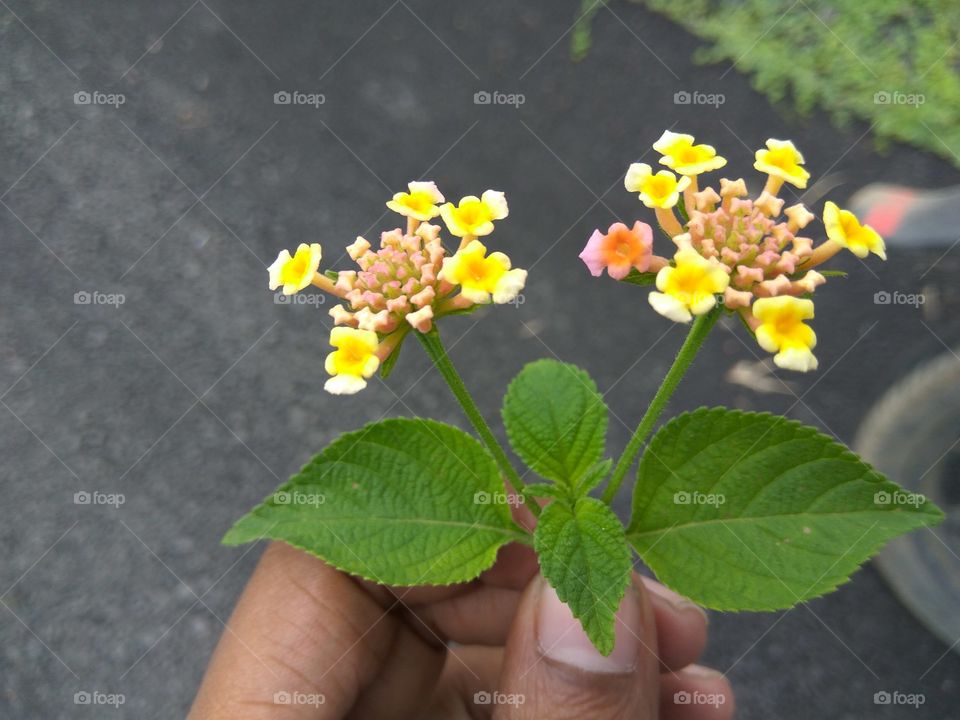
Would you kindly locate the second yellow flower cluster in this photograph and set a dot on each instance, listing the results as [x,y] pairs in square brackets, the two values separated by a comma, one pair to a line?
[730,246]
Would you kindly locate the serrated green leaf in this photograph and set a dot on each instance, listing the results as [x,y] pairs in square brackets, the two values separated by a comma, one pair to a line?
[401,502]
[750,511]
[585,557]
[635,277]
[555,420]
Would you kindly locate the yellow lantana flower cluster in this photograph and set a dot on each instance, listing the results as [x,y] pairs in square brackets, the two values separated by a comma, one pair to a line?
[747,253]
[405,284]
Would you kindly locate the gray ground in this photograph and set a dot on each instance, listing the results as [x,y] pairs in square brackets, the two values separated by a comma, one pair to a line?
[198,393]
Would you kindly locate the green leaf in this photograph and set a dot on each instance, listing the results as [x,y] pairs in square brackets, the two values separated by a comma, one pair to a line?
[750,511]
[556,420]
[635,277]
[585,557]
[401,502]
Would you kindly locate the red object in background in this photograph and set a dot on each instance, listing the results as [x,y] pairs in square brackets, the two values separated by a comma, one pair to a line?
[886,217]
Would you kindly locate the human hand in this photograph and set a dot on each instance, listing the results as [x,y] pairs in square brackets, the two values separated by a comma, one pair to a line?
[338,647]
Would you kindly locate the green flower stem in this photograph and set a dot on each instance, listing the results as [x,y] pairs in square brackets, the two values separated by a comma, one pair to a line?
[698,333]
[438,354]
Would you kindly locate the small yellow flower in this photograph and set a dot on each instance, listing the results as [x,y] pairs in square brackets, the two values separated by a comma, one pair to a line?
[656,191]
[352,362]
[481,277]
[844,229]
[689,288]
[782,331]
[782,159]
[685,158]
[475,215]
[295,273]
[420,203]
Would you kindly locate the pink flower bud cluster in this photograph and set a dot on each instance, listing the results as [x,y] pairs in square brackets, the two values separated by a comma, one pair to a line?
[396,284]
[758,250]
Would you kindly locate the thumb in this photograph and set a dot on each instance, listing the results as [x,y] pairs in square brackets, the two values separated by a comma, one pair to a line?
[551,669]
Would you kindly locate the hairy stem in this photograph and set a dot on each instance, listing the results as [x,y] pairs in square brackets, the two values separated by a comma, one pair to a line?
[438,354]
[698,333]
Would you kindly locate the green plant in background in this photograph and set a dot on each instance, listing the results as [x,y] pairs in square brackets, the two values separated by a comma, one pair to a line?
[736,510]
[894,64]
